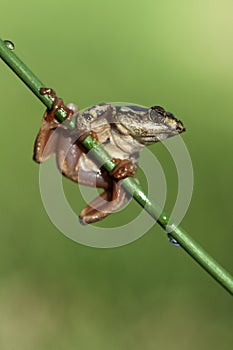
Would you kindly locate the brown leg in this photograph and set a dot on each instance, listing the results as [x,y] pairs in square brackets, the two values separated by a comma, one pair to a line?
[112,198]
[57,104]
[108,202]
[45,145]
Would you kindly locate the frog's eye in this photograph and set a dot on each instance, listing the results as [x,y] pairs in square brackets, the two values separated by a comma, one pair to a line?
[159,109]
[156,112]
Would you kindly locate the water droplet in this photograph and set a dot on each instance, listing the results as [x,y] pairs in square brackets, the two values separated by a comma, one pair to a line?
[173,241]
[9,44]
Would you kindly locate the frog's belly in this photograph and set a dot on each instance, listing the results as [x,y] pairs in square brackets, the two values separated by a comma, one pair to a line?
[88,165]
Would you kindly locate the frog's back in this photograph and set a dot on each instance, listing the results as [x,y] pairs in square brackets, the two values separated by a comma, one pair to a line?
[88,118]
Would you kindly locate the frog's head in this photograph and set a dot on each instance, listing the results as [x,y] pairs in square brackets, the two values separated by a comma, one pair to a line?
[148,125]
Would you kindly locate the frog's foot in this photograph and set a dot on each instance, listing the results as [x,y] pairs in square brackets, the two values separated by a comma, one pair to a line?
[123,169]
[91,133]
[103,205]
[57,104]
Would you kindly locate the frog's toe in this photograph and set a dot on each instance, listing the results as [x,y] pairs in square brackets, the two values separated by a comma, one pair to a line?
[88,133]
[123,169]
[57,104]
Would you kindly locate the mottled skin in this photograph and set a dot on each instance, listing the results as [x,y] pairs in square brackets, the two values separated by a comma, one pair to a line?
[122,130]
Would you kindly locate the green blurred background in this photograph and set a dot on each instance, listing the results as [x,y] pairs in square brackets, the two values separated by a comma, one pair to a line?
[57,294]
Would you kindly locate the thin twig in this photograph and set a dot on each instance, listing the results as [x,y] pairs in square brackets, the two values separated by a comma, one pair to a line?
[163,219]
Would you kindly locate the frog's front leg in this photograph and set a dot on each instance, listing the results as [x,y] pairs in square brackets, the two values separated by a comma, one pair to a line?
[49,124]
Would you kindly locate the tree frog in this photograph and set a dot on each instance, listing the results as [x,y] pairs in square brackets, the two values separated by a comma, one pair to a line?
[123,130]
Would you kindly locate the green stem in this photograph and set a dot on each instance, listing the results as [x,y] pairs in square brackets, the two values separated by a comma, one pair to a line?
[177,233]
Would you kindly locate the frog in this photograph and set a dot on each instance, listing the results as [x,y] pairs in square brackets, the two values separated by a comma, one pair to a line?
[121,129]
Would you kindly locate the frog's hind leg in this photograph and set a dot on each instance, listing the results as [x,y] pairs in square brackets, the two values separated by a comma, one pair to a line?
[46,141]
[114,195]
[103,205]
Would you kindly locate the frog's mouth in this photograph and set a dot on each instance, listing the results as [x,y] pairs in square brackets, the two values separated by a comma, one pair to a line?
[179,125]
[159,132]
[151,128]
